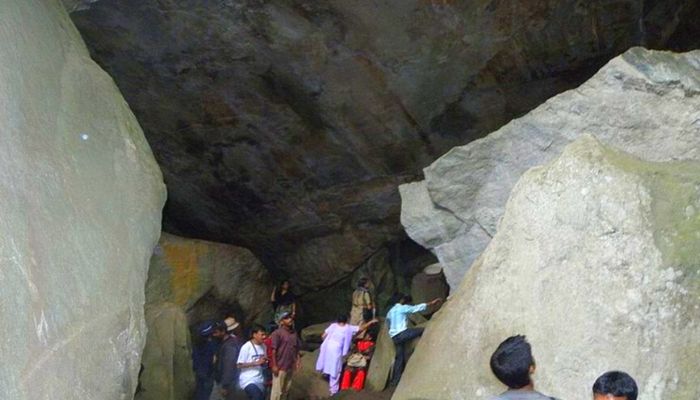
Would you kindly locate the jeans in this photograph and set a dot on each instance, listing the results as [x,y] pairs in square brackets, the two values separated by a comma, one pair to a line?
[400,341]
[254,392]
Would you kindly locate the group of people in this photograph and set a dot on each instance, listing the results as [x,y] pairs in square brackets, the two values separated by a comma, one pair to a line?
[348,345]
[227,366]
[512,363]
[348,370]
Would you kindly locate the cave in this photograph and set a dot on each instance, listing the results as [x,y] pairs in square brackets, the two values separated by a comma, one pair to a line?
[197,153]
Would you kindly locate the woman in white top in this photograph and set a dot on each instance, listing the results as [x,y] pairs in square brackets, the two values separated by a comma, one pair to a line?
[251,360]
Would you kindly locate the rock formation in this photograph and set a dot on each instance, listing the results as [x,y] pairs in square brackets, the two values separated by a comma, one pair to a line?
[190,281]
[285,126]
[167,357]
[596,261]
[81,199]
[389,271]
[644,102]
[205,277]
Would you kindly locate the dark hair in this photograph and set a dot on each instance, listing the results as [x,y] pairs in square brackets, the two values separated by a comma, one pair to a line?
[511,362]
[394,299]
[256,328]
[342,318]
[362,282]
[406,299]
[616,383]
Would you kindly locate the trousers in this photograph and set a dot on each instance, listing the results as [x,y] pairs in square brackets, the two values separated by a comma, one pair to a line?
[400,341]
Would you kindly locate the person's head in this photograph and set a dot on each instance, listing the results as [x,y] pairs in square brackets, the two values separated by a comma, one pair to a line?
[286,320]
[342,319]
[284,285]
[615,385]
[363,283]
[231,324]
[219,330]
[406,299]
[257,334]
[512,362]
[206,329]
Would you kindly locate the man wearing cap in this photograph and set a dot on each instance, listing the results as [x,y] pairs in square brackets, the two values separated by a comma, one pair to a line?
[203,353]
[226,372]
[286,347]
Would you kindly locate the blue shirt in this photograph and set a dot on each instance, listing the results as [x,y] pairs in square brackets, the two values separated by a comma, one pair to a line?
[398,316]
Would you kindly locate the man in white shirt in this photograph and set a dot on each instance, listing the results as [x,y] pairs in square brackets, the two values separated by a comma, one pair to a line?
[251,360]
[400,332]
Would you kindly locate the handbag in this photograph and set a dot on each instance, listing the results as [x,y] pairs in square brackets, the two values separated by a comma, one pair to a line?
[357,360]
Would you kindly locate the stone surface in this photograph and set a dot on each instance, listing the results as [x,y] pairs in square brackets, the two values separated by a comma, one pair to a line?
[389,271]
[285,126]
[81,199]
[383,358]
[167,361]
[190,281]
[313,333]
[596,261]
[205,278]
[644,102]
[308,384]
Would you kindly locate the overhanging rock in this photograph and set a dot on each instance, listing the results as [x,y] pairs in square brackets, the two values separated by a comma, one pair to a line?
[644,102]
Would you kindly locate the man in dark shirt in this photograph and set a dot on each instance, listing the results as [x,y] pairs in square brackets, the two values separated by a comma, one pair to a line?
[286,347]
[226,370]
[203,353]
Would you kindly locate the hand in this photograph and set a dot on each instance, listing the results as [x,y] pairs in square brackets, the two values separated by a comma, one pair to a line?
[261,361]
[435,301]
[275,370]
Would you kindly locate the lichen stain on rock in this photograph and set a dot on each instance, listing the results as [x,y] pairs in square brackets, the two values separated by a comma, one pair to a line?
[183,260]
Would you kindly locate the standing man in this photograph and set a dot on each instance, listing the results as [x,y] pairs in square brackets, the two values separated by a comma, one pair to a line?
[251,361]
[363,308]
[203,351]
[226,373]
[400,332]
[286,356]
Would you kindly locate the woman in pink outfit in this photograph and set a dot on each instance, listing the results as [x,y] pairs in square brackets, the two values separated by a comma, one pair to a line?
[336,343]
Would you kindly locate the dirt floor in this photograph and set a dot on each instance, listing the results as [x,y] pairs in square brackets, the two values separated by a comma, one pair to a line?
[364,395]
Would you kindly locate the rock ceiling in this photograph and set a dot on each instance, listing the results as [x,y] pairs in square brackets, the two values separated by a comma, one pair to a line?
[286,126]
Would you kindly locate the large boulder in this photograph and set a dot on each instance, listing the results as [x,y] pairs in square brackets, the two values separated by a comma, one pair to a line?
[167,361]
[644,102]
[81,199]
[205,277]
[190,281]
[309,384]
[285,126]
[596,261]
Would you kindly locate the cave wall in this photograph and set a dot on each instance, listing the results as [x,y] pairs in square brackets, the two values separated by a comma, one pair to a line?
[285,126]
[81,199]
